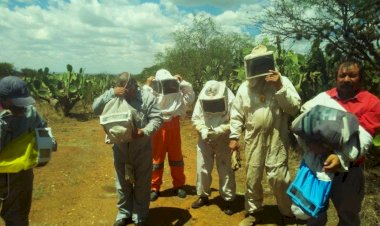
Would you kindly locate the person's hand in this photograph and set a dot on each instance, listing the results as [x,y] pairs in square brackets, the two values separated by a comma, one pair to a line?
[149,80]
[215,133]
[274,79]
[234,145]
[204,134]
[218,130]
[119,91]
[138,133]
[178,77]
[331,163]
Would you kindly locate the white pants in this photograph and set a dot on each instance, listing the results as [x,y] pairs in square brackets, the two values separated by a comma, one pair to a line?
[279,180]
[206,154]
[260,157]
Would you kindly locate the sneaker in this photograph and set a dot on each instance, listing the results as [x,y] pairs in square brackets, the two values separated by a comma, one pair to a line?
[123,222]
[201,201]
[180,192]
[228,208]
[154,195]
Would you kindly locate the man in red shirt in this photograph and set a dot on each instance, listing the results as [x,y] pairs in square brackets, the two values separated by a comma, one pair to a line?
[347,191]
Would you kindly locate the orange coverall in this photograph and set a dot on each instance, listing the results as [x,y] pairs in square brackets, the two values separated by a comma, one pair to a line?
[168,139]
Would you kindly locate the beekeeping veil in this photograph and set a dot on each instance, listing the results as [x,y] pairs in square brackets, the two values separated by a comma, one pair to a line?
[213,98]
[167,89]
[258,63]
[168,84]
[117,120]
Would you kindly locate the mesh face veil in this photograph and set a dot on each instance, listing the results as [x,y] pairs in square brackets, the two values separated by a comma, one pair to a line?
[259,65]
[166,86]
[214,106]
[213,98]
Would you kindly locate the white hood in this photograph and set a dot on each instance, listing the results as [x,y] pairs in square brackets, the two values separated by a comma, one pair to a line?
[213,90]
[173,104]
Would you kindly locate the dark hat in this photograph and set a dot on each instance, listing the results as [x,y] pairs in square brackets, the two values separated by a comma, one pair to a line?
[14,88]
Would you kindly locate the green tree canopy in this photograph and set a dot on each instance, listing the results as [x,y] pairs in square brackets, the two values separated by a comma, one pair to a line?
[6,69]
[351,28]
[202,51]
[346,29]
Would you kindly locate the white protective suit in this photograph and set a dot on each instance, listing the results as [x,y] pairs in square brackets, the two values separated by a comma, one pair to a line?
[213,144]
[262,112]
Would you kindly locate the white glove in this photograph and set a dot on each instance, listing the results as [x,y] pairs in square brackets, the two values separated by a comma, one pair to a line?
[215,133]
[218,130]
[204,133]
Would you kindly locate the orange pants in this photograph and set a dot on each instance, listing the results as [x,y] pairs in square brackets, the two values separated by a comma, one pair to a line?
[168,139]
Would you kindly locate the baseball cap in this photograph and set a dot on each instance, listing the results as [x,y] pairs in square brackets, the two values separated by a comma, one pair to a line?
[14,88]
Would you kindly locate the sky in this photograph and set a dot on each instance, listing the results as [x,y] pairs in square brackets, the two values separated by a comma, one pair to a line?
[107,36]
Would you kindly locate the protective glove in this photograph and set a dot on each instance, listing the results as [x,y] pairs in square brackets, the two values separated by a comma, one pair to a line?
[218,130]
[204,134]
[235,160]
[215,132]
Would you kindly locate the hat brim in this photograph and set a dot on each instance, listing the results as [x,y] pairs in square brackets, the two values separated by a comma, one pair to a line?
[23,101]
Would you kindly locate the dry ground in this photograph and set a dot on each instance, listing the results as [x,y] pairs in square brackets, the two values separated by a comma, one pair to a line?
[77,187]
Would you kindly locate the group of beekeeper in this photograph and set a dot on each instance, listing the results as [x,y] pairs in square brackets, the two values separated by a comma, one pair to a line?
[261,110]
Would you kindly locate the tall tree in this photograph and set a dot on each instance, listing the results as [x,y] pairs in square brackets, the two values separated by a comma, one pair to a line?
[350,27]
[202,52]
[6,69]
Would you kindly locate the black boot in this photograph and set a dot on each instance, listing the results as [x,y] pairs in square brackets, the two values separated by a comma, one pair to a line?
[227,209]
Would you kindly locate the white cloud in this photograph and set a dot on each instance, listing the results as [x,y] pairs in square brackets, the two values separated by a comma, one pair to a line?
[224,4]
[101,36]
[239,20]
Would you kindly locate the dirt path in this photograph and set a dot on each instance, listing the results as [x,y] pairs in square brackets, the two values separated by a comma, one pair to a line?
[77,186]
